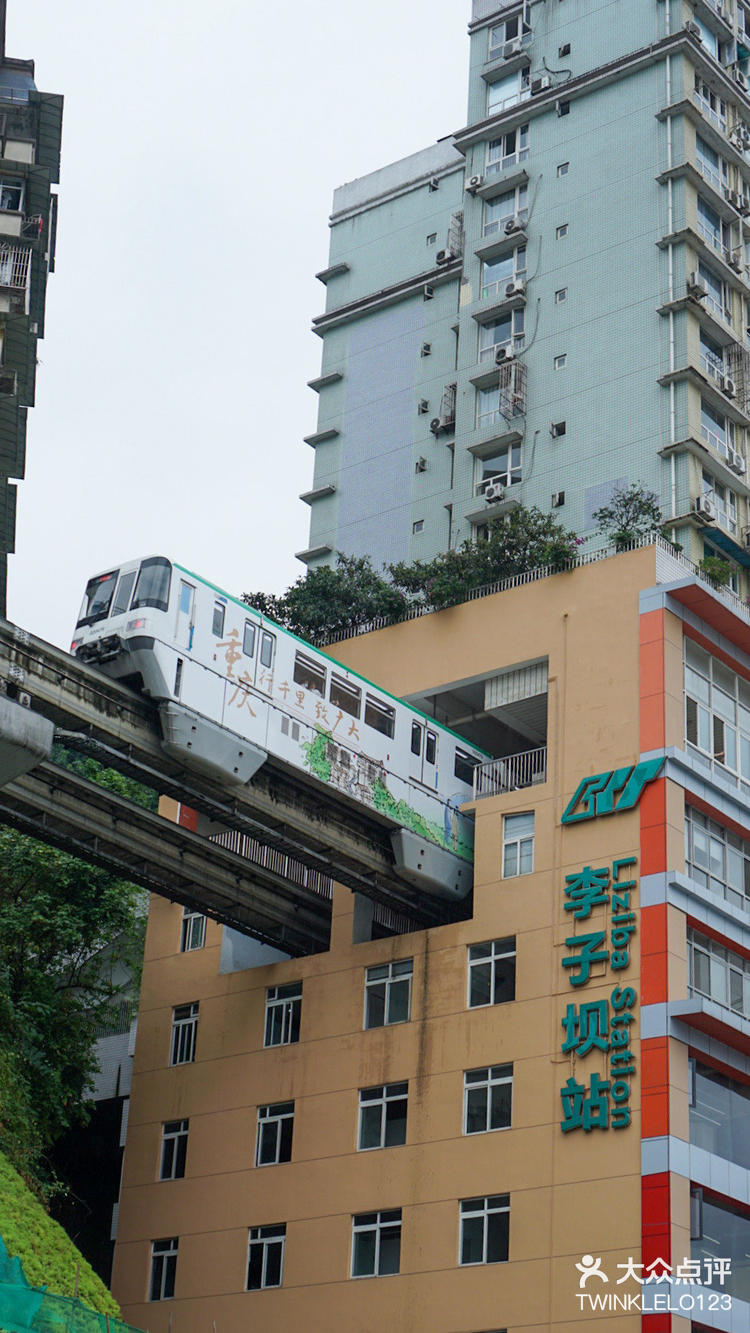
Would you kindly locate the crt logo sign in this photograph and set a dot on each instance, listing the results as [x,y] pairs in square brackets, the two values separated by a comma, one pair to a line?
[612,792]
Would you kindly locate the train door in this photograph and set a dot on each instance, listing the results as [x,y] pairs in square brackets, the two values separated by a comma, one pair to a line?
[186,615]
[423,754]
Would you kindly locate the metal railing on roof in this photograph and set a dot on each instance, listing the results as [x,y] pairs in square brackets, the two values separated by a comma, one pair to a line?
[670,564]
[511,772]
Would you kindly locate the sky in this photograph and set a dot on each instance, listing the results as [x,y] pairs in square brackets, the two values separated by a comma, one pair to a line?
[201,146]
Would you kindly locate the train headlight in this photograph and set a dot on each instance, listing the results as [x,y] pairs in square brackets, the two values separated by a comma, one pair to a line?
[140,623]
[75,645]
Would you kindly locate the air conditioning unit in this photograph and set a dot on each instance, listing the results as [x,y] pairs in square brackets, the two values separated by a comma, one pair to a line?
[540,84]
[435,425]
[503,355]
[696,286]
[737,464]
[728,386]
[493,492]
[444,256]
[740,79]
[693,29]
[734,259]
[516,288]
[733,197]
[474,182]
[556,429]
[513,48]
[705,508]
[512,225]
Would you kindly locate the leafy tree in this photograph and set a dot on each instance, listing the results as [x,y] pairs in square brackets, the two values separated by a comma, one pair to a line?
[524,539]
[333,601]
[632,512]
[88,767]
[718,570]
[64,927]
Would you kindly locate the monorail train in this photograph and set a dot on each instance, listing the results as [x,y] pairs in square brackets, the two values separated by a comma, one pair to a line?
[233,687]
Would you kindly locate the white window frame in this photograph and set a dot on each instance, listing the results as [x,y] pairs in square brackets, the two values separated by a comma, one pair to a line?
[385,1095]
[269,1237]
[387,1219]
[288,1000]
[173,1132]
[724,499]
[513,24]
[516,321]
[519,198]
[712,107]
[389,976]
[507,150]
[521,92]
[516,265]
[165,1259]
[193,932]
[717,858]
[273,1117]
[496,951]
[184,1034]
[728,973]
[489,1206]
[507,472]
[717,709]
[517,846]
[488,1078]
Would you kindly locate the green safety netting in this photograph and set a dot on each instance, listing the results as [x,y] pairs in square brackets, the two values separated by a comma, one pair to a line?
[27,1309]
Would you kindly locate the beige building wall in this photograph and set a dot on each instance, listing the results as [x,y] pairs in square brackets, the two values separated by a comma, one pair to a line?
[570,1194]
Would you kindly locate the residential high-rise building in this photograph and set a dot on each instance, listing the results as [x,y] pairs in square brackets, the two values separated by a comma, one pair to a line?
[515,1120]
[30,129]
[554,300]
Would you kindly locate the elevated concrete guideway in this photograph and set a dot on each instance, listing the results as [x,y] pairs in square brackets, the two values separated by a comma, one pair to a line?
[316,827]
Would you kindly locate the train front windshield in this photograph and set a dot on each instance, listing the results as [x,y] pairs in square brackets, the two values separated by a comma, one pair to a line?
[152,588]
[97,598]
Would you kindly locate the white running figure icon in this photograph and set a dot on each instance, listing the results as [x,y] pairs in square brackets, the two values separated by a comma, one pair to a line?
[590,1267]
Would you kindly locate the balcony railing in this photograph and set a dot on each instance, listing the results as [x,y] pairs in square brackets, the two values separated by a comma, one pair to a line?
[511,773]
[14,266]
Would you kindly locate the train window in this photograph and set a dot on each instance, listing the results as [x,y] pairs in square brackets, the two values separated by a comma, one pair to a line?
[310,674]
[379,715]
[152,588]
[122,596]
[345,696]
[248,639]
[464,767]
[97,597]
[266,648]
[217,628]
[416,738]
[430,749]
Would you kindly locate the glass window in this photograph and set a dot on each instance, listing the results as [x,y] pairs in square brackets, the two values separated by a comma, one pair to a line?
[309,674]
[382,1116]
[267,642]
[724,500]
[283,1013]
[512,29]
[508,91]
[507,331]
[497,273]
[379,715]
[720,1114]
[193,934]
[718,973]
[717,298]
[123,594]
[430,749]
[485,1230]
[712,355]
[722,1231]
[97,598]
[163,1269]
[265,1257]
[463,767]
[184,1032]
[376,1243]
[274,1138]
[502,208]
[388,993]
[492,972]
[174,1138]
[248,639]
[507,150]
[11,196]
[488,1096]
[503,467]
[518,844]
[345,696]
[416,738]
[717,858]
[710,104]
[217,623]
[152,588]
[712,167]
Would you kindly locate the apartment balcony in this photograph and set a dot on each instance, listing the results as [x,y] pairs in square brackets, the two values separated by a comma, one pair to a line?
[24,226]
[511,773]
[15,267]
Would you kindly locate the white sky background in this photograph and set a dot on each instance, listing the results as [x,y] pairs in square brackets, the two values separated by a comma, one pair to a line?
[201,147]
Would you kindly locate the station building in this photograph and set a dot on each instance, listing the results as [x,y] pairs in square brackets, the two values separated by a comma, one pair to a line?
[551,300]
[451,1129]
